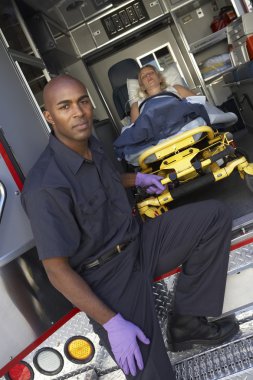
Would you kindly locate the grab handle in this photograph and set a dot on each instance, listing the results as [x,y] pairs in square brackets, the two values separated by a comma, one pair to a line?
[2,199]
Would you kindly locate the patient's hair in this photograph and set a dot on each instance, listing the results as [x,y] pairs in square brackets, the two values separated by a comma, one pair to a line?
[142,91]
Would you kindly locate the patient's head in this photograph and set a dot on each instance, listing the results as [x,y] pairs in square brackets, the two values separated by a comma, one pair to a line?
[151,80]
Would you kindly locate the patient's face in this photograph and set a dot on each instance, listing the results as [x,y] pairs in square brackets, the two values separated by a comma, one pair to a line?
[149,78]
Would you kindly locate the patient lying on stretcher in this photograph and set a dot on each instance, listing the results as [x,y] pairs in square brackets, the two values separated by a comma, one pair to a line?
[164,112]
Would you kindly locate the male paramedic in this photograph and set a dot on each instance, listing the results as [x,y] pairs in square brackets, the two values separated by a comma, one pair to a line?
[98,256]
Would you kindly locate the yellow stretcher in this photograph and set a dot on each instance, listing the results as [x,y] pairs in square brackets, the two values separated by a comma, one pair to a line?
[186,165]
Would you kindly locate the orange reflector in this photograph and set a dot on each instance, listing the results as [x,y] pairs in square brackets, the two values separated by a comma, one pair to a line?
[21,371]
[79,349]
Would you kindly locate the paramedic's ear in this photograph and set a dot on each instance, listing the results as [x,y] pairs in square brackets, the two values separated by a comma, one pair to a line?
[48,117]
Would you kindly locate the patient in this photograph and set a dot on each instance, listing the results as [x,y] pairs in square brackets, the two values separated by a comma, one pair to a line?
[152,82]
[162,112]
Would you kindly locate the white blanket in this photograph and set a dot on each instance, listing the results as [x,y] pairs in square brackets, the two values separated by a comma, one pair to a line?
[216,115]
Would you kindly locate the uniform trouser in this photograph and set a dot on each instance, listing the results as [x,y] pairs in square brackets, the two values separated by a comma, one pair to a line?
[196,236]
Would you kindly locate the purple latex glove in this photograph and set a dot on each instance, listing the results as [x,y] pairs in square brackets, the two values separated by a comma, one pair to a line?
[123,336]
[151,182]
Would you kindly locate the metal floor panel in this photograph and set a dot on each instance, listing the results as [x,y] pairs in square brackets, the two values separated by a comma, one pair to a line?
[233,358]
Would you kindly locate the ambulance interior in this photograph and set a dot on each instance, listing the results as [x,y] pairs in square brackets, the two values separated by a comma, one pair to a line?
[208,42]
[81,39]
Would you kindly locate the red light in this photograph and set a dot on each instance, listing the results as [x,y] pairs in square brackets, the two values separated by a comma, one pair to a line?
[21,371]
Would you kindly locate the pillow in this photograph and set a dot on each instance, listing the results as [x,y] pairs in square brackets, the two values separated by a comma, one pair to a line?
[133,89]
[171,75]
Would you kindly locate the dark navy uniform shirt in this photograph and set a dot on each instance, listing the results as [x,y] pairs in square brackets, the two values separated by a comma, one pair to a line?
[77,208]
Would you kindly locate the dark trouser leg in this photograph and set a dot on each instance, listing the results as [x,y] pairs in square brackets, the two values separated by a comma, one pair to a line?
[198,237]
[127,290]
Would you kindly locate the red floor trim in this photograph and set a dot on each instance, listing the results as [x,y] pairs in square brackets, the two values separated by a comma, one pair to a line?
[159,278]
[241,244]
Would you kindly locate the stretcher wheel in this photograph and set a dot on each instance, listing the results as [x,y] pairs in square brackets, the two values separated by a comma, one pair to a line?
[249,181]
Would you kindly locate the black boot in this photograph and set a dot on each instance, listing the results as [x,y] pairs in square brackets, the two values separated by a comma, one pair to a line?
[188,330]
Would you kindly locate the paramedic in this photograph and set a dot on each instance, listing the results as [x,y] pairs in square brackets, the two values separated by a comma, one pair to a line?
[98,256]
[152,82]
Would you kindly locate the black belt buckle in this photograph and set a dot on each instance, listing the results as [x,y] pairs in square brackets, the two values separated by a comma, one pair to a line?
[120,247]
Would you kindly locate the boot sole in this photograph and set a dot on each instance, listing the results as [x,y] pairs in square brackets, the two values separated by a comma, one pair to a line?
[187,345]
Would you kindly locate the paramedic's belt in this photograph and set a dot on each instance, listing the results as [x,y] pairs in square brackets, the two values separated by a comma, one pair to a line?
[106,257]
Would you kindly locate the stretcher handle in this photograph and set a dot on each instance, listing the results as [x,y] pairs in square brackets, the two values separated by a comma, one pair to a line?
[172,141]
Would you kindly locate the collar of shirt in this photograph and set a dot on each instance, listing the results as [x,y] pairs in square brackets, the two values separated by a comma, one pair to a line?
[70,157]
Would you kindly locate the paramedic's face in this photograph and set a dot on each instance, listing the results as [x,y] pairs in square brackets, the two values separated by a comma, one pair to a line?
[69,111]
[149,78]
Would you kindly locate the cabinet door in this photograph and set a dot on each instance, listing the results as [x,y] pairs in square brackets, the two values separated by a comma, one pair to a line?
[205,40]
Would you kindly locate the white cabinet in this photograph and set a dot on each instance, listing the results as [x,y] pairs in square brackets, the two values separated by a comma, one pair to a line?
[201,27]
